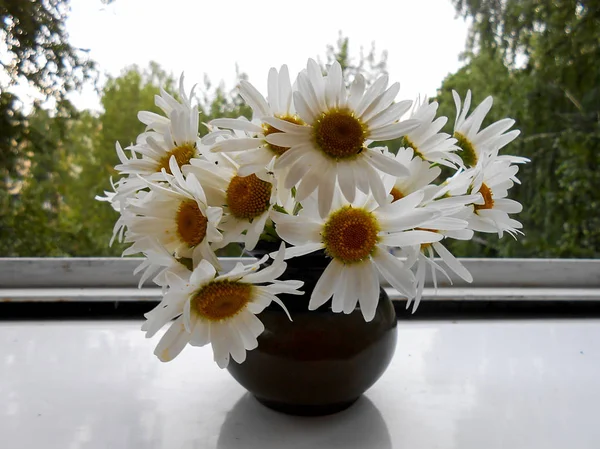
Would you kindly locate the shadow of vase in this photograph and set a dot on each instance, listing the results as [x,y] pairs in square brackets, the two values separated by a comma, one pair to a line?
[251,425]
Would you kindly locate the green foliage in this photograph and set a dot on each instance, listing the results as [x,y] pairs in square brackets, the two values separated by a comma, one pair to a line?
[69,159]
[38,48]
[39,55]
[539,61]
[30,216]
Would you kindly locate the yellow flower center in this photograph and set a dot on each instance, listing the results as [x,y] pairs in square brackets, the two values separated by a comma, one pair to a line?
[183,154]
[486,193]
[191,223]
[339,134]
[268,129]
[220,300]
[397,194]
[468,154]
[248,197]
[350,234]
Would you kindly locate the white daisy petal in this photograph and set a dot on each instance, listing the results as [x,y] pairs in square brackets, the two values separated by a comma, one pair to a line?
[299,232]
[332,85]
[410,238]
[286,126]
[347,182]
[234,123]
[476,118]
[233,145]
[172,342]
[393,272]
[326,285]
[201,334]
[298,170]
[254,99]
[393,130]
[390,114]
[344,294]
[382,102]
[326,191]
[509,206]
[187,322]
[420,277]
[301,250]
[349,300]
[386,164]
[236,344]
[357,89]
[304,110]
[220,340]
[309,184]
[452,262]
[290,157]
[284,139]
[249,327]
[368,288]
[285,91]
[371,94]
[495,128]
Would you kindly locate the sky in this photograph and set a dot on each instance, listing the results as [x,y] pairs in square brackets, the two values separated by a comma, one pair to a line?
[423,38]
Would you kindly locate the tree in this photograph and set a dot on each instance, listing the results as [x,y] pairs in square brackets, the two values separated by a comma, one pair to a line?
[538,58]
[38,55]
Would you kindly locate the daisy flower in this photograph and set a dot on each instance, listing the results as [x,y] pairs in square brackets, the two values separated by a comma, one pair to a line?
[333,143]
[473,141]
[427,141]
[492,180]
[246,200]
[255,152]
[358,238]
[177,216]
[220,310]
[178,140]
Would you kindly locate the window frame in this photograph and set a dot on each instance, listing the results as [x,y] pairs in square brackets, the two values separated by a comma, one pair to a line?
[111,280]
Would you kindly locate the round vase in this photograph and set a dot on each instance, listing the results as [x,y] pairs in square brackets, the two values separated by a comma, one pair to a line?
[321,362]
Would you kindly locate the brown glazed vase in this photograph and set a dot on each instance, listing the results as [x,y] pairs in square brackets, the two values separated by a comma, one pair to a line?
[321,362]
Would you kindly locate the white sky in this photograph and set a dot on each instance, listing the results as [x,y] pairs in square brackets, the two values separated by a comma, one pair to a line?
[423,37]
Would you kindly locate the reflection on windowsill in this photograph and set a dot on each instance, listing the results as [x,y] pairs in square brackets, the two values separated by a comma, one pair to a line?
[250,425]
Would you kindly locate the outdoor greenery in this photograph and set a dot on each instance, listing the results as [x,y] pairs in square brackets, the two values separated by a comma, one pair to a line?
[538,58]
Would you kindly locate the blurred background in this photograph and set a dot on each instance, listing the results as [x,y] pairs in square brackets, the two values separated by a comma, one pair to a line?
[75,73]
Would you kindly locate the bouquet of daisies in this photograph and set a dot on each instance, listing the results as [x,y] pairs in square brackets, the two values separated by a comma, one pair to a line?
[311,171]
